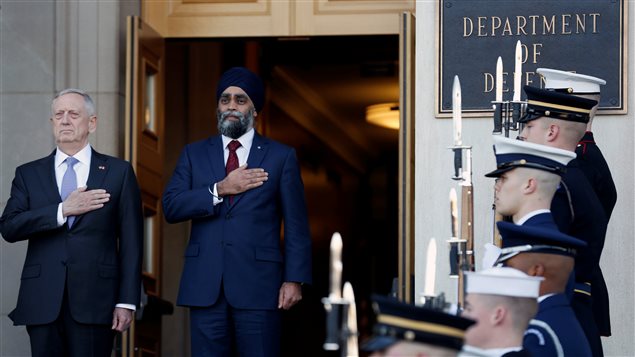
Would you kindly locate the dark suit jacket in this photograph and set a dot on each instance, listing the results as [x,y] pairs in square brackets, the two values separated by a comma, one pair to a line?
[240,245]
[99,258]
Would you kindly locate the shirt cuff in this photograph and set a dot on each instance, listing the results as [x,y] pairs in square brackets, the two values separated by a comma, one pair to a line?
[212,190]
[127,306]
[60,216]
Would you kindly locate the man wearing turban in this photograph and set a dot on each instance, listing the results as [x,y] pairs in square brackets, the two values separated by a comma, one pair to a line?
[237,188]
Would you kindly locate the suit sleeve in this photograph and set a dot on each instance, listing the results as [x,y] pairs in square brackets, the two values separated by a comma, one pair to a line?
[297,239]
[19,220]
[130,239]
[182,201]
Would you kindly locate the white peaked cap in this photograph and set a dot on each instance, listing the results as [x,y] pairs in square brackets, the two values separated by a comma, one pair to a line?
[503,281]
[572,83]
[512,153]
[492,252]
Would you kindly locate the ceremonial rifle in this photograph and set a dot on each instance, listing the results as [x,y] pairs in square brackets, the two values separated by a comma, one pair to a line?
[341,314]
[501,109]
[506,116]
[349,327]
[462,250]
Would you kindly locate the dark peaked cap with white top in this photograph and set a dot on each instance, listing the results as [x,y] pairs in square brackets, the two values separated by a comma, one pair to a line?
[511,153]
[398,321]
[547,103]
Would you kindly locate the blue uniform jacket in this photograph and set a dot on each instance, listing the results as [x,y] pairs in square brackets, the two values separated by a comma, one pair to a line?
[555,331]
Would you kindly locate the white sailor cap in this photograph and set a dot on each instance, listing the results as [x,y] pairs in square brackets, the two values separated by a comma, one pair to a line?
[511,153]
[503,281]
[572,83]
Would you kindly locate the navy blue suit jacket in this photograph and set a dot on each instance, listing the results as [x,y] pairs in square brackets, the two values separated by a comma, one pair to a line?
[555,331]
[238,247]
[99,258]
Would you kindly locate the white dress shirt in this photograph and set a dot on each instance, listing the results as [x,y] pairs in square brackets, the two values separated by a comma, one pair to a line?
[82,168]
[242,152]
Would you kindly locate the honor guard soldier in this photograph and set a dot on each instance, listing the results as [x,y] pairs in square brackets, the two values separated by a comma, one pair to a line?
[502,300]
[545,252]
[527,177]
[594,166]
[590,158]
[559,120]
[408,330]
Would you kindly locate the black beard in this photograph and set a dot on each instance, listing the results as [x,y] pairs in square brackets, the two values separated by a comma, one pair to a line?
[234,129]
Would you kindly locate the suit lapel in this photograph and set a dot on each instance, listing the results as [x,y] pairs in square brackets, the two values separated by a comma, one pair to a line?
[216,158]
[257,153]
[98,170]
[258,150]
[47,176]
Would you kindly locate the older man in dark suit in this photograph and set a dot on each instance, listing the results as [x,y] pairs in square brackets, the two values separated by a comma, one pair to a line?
[237,188]
[81,214]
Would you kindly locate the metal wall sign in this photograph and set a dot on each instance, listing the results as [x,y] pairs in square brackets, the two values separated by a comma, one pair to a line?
[582,36]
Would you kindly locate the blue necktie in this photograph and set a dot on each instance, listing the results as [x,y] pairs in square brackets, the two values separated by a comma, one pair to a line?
[69,184]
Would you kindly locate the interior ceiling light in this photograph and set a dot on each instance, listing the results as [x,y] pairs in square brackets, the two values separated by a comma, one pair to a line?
[385,115]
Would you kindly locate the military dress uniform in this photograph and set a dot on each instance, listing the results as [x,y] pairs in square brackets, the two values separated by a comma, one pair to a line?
[500,281]
[576,209]
[555,331]
[397,321]
[594,166]
[555,314]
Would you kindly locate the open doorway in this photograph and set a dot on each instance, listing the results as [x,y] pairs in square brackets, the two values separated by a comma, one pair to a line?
[317,92]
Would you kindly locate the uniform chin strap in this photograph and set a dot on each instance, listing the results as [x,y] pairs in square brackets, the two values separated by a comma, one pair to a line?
[532,165]
[508,253]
